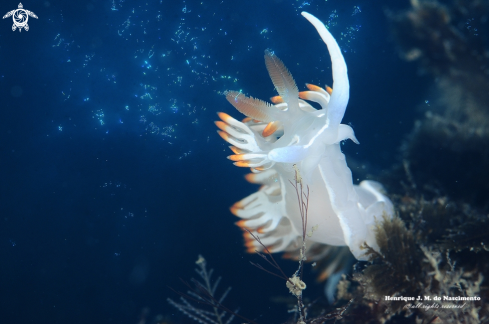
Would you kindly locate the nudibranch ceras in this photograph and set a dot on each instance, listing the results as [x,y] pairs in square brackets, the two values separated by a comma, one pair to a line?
[290,131]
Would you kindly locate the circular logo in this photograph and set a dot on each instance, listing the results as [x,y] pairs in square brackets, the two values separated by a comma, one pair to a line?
[20,18]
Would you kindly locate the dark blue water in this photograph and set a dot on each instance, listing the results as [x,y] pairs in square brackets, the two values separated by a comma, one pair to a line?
[112,176]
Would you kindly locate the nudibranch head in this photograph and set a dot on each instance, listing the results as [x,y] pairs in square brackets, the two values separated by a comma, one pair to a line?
[289,131]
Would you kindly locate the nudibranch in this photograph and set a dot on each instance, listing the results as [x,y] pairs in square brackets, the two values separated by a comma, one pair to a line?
[289,131]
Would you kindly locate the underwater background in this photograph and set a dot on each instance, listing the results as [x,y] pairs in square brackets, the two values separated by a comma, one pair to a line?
[112,176]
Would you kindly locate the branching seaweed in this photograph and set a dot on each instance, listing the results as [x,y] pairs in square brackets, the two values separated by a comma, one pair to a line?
[294,283]
[203,292]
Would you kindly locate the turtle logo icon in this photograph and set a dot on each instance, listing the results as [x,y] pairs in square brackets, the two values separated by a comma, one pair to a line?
[20,17]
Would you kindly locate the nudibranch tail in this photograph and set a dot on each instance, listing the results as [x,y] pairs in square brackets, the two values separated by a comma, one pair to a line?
[341,85]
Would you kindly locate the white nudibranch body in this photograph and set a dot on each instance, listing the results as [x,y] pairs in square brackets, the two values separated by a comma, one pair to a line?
[290,131]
